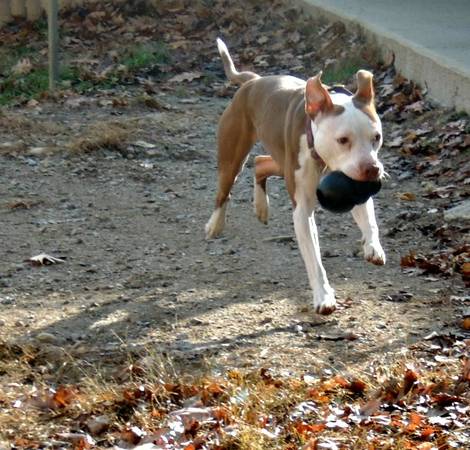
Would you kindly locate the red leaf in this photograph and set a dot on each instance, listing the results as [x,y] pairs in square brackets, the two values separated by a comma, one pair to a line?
[357,386]
[410,378]
[427,433]
[415,420]
[408,260]
[305,429]
[444,399]
[63,397]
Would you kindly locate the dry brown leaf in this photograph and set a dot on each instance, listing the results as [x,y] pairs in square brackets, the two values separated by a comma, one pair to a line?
[407,196]
[414,421]
[22,67]
[396,142]
[409,380]
[185,76]
[357,386]
[63,396]
[44,259]
[370,407]
[465,324]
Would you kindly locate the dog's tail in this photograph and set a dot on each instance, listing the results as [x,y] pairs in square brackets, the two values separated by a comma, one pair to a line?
[233,74]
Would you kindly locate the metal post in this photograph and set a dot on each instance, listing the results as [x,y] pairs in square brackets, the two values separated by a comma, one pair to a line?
[53,35]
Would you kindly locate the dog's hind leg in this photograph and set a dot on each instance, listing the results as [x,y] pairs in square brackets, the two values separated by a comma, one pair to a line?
[265,167]
[235,139]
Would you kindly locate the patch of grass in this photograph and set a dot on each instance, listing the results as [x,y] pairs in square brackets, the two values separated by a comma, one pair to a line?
[12,56]
[24,87]
[143,56]
[15,122]
[40,26]
[20,88]
[104,135]
[343,70]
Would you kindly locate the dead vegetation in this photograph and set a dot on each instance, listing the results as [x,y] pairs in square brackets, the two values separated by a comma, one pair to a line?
[111,135]
[14,122]
[417,404]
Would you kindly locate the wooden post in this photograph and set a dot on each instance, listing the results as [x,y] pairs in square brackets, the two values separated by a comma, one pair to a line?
[53,35]
[5,13]
[33,10]
[18,8]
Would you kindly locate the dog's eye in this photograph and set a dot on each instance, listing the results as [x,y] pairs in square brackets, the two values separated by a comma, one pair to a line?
[377,137]
[343,140]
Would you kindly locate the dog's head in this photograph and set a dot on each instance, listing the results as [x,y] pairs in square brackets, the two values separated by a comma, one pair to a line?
[347,130]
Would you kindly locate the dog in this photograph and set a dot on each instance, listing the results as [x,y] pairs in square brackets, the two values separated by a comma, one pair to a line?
[308,129]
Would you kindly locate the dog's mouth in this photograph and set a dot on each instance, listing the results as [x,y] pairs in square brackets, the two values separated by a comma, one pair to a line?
[339,193]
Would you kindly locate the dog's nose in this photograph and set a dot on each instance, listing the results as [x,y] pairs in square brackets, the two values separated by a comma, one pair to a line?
[371,172]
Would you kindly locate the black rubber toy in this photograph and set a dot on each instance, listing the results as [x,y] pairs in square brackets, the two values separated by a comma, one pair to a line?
[339,194]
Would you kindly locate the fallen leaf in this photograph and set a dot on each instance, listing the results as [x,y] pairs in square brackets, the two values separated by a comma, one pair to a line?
[63,396]
[80,441]
[44,259]
[409,380]
[370,407]
[465,324]
[305,429]
[397,142]
[407,196]
[357,386]
[414,421]
[22,67]
[185,76]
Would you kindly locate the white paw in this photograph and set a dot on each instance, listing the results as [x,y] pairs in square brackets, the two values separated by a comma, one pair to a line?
[216,223]
[261,204]
[373,252]
[324,302]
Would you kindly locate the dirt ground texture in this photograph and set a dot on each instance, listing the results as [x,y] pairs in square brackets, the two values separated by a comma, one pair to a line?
[138,271]
[138,276]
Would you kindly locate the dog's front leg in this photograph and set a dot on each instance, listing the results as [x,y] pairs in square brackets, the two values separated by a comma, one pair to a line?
[307,238]
[364,216]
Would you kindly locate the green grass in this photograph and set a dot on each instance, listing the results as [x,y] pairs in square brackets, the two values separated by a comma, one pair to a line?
[10,58]
[143,56]
[25,87]
[343,70]
[20,88]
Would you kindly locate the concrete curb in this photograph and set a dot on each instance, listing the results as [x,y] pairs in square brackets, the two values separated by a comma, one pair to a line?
[446,83]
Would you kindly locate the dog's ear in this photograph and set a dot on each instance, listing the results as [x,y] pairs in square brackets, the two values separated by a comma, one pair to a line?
[365,87]
[317,97]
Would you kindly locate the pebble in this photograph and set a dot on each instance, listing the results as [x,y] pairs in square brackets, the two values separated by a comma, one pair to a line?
[197,321]
[98,425]
[460,211]
[46,338]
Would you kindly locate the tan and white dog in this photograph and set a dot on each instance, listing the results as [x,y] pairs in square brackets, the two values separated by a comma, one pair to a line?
[304,127]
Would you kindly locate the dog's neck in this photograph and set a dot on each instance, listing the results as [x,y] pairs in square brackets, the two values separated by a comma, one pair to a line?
[311,142]
[309,122]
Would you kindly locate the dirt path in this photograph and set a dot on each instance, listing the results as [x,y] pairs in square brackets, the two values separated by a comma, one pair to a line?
[139,276]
